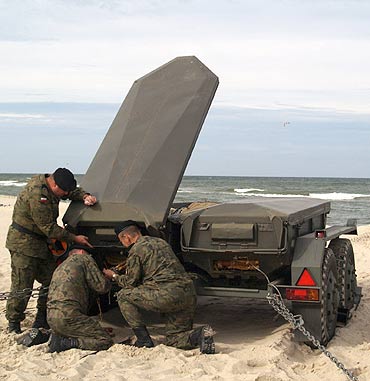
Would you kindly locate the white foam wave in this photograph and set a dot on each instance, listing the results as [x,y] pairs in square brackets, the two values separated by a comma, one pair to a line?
[247,190]
[338,196]
[335,196]
[11,183]
[271,195]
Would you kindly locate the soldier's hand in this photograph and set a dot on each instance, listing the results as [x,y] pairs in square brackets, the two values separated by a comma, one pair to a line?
[89,199]
[82,240]
[108,273]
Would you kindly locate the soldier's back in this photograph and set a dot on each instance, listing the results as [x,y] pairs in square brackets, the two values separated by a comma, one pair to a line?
[160,264]
[68,288]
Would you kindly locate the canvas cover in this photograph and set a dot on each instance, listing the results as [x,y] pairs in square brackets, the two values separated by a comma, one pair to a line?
[293,210]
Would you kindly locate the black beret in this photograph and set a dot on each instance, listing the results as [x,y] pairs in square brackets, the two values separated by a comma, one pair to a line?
[65,180]
[83,247]
[125,224]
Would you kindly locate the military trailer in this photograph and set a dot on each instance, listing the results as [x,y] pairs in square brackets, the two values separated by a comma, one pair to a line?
[233,249]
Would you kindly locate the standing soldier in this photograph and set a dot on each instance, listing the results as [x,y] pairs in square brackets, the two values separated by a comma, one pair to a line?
[155,280]
[71,288]
[34,221]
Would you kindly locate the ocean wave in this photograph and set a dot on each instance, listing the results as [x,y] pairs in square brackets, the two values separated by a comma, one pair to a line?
[247,190]
[335,196]
[338,196]
[11,183]
[272,195]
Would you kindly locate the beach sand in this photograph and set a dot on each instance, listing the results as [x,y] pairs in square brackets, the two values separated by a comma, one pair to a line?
[252,342]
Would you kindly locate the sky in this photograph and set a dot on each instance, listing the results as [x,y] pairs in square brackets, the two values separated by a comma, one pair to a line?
[293,99]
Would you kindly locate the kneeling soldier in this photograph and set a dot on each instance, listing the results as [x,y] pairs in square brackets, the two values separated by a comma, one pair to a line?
[68,303]
[155,280]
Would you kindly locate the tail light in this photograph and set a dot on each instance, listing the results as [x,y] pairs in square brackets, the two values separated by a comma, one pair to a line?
[303,294]
[320,234]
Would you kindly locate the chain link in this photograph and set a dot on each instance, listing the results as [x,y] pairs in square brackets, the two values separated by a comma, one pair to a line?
[25,293]
[297,322]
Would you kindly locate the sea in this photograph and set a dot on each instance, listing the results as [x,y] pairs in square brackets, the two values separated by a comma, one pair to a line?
[349,197]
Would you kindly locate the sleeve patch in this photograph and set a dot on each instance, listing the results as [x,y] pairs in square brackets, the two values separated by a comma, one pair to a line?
[44,200]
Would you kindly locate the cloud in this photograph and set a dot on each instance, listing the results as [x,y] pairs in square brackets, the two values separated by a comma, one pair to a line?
[27,116]
[92,51]
[304,61]
[302,109]
[233,141]
[26,20]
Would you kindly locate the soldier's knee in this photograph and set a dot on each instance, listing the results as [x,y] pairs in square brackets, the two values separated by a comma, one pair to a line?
[124,304]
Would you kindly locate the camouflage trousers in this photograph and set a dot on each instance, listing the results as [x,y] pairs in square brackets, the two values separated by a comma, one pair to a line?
[25,270]
[90,334]
[176,302]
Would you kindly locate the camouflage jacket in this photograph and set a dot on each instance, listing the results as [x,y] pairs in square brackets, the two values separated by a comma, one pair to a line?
[73,284]
[150,262]
[37,210]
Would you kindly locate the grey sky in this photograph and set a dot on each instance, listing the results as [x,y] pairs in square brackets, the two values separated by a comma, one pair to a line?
[305,62]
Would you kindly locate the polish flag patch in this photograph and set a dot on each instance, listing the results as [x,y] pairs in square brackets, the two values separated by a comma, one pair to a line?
[43,200]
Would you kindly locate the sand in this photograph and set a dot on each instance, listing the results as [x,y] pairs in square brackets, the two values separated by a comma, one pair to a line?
[252,342]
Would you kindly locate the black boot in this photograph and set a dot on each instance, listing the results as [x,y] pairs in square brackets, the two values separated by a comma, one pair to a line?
[14,326]
[203,337]
[40,320]
[143,337]
[60,344]
[35,337]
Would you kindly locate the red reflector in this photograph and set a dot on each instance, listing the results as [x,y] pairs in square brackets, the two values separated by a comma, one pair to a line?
[308,294]
[306,279]
[320,234]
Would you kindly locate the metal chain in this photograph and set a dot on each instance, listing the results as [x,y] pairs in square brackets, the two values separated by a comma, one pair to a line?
[25,293]
[297,322]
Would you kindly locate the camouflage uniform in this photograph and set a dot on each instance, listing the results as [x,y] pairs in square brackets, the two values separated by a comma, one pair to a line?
[70,290]
[155,280]
[35,210]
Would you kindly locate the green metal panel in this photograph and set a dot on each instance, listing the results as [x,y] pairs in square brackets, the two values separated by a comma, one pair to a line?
[141,161]
[308,253]
[238,231]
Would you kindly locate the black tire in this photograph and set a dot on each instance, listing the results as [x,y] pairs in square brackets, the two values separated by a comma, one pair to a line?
[347,281]
[329,296]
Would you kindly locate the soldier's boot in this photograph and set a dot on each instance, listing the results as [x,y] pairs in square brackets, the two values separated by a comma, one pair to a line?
[143,337]
[35,337]
[202,337]
[40,320]
[15,327]
[60,344]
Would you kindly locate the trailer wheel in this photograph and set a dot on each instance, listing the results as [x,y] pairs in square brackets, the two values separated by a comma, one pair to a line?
[347,281]
[329,296]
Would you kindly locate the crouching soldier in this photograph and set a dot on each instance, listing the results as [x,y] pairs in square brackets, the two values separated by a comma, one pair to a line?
[155,280]
[68,303]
